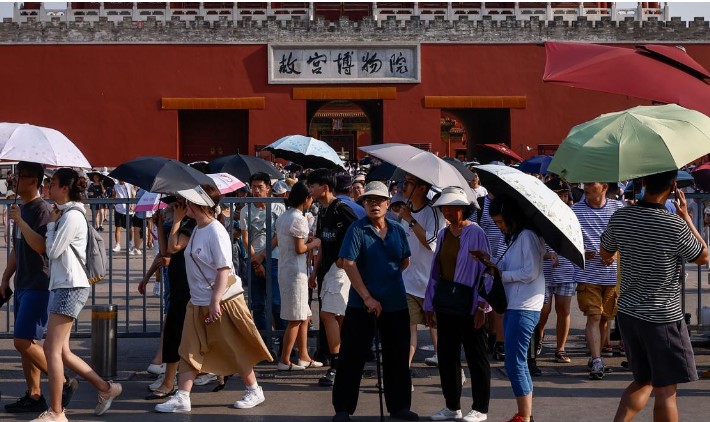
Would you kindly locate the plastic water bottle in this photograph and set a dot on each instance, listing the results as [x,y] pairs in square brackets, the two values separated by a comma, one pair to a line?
[157,288]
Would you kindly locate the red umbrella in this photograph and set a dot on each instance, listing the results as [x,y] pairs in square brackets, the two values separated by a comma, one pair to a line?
[653,72]
[701,174]
[503,149]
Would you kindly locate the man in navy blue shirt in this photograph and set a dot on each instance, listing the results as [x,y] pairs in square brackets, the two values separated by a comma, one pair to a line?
[374,253]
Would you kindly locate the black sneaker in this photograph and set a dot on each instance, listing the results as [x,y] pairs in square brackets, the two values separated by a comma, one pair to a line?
[68,391]
[328,379]
[597,371]
[27,404]
[499,352]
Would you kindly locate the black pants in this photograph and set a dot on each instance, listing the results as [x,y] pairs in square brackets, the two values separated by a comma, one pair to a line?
[454,332]
[356,339]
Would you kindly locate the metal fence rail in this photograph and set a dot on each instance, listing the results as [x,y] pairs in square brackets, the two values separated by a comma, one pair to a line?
[141,315]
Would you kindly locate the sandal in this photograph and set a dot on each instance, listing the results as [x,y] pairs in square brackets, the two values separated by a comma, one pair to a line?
[157,395]
[561,357]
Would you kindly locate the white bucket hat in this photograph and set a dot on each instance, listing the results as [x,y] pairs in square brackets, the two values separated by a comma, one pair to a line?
[452,195]
[197,196]
[374,189]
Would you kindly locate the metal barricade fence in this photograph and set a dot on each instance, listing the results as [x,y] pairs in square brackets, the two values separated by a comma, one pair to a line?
[142,315]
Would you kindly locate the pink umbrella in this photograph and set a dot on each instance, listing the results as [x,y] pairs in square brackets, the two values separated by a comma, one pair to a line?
[226,182]
[150,202]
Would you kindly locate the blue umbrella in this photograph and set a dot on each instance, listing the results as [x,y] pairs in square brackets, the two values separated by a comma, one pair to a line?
[306,151]
[535,165]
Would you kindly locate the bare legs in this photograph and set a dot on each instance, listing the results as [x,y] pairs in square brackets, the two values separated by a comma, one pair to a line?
[295,331]
[34,363]
[56,349]
[636,396]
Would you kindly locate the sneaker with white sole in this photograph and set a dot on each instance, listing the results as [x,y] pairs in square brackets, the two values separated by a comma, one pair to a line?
[446,414]
[289,367]
[432,361]
[205,379]
[251,398]
[156,369]
[475,416]
[50,416]
[105,399]
[116,248]
[179,403]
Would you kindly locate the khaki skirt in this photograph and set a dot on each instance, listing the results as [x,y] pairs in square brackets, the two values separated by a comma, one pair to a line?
[230,345]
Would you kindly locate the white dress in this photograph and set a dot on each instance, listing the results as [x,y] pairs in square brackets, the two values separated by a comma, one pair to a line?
[293,279]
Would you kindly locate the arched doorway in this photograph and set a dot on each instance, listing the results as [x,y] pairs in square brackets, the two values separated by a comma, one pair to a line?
[345,125]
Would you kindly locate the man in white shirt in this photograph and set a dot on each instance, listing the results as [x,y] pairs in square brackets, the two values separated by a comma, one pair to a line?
[422,223]
[122,212]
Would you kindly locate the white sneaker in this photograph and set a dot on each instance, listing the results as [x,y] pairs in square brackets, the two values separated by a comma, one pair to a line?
[159,381]
[156,369]
[463,377]
[446,414]
[105,399]
[475,416]
[117,248]
[205,379]
[136,251]
[179,403]
[250,398]
[432,361]
[50,416]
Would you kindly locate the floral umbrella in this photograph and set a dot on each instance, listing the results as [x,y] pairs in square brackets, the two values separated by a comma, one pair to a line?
[24,142]
[554,219]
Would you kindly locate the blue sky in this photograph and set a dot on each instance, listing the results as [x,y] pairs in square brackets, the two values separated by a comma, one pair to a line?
[686,10]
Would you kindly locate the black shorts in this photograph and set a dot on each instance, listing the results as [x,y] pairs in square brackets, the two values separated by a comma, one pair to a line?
[658,353]
[137,222]
[120,219]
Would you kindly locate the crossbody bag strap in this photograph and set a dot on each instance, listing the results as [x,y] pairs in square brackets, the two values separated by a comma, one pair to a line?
[73,249]
[200,269]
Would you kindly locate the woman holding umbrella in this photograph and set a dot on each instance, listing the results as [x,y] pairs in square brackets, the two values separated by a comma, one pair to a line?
[521,270]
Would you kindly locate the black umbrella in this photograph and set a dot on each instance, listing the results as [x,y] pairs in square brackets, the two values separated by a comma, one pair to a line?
[243,166]
[106,181]
[384,171]
[160,175]
[461,167]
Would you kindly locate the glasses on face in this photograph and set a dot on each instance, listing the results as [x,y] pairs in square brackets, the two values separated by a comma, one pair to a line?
[258,188]
[375,201]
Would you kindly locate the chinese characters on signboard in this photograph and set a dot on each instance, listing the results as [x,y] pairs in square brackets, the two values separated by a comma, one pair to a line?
[343,64]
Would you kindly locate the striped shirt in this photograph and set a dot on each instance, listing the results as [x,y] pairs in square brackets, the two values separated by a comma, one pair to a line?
[564,273]
[496,239]
[652,244]
[594,222]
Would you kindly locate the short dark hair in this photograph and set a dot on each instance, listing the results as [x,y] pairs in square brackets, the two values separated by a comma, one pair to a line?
[660,182]
[323,177]
[260,176]
[34,169]
[298,195]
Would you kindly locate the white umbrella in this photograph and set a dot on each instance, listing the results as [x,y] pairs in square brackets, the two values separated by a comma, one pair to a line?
[554,219]
[24,142]
[226,182]
[422,164]
[306,151]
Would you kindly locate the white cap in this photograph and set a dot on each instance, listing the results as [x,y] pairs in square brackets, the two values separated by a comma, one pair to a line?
[197,196]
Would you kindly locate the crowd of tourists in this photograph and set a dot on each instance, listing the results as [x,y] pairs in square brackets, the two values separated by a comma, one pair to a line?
[383,259]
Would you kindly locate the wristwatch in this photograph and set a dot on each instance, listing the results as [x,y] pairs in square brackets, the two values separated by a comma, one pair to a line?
[412,223]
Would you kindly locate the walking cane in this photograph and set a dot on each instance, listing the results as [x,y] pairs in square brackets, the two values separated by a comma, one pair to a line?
[379,366]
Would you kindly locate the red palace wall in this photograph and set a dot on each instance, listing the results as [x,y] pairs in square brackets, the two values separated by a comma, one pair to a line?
[107,98]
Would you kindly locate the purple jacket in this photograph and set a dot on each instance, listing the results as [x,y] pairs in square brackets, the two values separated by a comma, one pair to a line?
[467,270]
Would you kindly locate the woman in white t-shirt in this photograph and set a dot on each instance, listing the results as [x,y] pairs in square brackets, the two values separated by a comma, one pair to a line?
[219,335]
[521,272]
[69,290]
[292,230]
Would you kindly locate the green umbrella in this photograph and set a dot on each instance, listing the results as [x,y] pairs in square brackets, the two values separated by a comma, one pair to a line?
[634,143]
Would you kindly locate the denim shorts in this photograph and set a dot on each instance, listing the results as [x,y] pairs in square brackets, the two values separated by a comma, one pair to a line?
[30,314]
[68,302]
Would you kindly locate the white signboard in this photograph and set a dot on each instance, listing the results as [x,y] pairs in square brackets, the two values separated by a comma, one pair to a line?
[328,64]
